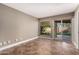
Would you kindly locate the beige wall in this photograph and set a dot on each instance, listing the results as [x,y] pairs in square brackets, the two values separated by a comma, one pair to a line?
[75,28]
[16,25]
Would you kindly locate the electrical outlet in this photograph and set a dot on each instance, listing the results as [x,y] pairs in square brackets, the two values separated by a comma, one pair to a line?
[9,41]
[0,43]
[4,42]
[17,39]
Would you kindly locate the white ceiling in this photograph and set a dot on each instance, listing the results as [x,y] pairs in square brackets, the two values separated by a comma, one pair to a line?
[41,10]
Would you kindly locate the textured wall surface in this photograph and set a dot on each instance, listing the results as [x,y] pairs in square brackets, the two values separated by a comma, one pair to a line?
[15,25]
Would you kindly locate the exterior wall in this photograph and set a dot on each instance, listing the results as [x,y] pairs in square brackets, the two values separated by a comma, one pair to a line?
[16,26]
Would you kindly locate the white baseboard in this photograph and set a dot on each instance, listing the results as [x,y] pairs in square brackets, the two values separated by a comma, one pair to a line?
[15,44]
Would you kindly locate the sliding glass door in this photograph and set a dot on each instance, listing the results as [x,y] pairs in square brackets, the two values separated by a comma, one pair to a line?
[62,30]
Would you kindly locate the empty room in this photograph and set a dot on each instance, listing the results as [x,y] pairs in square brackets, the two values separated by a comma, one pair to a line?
[39,29]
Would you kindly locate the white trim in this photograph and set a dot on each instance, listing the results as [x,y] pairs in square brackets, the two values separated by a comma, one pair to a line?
[15,44]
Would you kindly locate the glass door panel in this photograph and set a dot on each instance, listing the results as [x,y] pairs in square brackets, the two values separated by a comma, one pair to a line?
[66,30]
[58,30]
